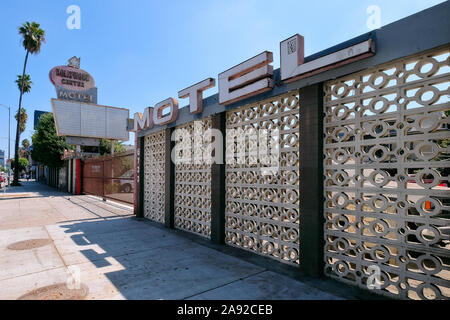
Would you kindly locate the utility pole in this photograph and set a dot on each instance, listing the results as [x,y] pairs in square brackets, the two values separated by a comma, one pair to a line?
[9,141]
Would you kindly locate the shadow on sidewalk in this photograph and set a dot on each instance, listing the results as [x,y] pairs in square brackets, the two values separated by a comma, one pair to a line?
[144,260]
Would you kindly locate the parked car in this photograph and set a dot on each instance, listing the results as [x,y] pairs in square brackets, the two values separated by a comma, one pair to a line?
[3,180]
[126,182]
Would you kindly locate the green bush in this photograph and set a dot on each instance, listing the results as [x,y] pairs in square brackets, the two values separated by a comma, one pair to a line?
[23,164]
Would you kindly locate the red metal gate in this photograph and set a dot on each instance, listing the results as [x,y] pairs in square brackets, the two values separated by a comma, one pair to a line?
[110,177]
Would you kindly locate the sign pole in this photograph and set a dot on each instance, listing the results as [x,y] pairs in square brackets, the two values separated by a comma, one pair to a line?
[9,146]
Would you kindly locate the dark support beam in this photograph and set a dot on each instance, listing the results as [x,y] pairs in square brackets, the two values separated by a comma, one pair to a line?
[218,185]
[140,184]
[311,180]
[169,181]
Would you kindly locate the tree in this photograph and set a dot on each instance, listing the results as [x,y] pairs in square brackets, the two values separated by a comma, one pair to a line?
[25,150]
[105,147]
[33,37]
[23,119]
[25,144]
[24,83]
[48,147]
[23,164]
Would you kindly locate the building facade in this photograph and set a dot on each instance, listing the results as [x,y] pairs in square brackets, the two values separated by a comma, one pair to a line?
[2,158]
[361,187]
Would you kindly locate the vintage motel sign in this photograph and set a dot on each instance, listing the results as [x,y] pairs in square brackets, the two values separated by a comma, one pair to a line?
[77,114]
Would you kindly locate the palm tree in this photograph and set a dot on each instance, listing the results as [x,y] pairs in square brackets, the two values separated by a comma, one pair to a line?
[25,150]
[33,37]
[24,84]
[23,119]
[25,144]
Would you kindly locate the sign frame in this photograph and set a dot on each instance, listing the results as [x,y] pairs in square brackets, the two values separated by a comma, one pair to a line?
[58,125]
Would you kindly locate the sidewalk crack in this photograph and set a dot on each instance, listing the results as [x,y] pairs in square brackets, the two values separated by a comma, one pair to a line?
[225,284]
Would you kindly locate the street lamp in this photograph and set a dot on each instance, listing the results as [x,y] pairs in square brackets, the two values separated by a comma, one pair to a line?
[9,141]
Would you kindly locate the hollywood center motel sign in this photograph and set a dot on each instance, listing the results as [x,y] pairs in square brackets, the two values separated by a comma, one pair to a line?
[78,117]
[252,77]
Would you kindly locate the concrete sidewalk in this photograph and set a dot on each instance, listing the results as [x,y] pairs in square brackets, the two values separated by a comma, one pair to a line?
[116,256]
[27,189]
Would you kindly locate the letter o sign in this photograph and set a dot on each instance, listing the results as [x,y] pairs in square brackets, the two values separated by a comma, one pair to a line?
[172,105]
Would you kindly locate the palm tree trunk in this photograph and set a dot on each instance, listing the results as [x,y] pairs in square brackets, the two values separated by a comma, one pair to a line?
[16,153]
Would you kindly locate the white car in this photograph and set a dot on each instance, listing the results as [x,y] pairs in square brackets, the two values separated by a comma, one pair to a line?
[127,181]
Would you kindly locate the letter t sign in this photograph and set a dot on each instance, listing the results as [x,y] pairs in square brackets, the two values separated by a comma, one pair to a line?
[247,79]
[291,55]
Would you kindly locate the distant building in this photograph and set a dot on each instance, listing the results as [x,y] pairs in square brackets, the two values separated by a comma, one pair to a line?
[128,147]
[2,158]
[37,116]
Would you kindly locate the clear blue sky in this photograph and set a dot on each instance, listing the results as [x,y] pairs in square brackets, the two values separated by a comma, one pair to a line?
[141,52]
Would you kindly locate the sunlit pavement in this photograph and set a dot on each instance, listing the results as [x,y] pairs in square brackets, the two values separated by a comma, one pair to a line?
[83,242]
